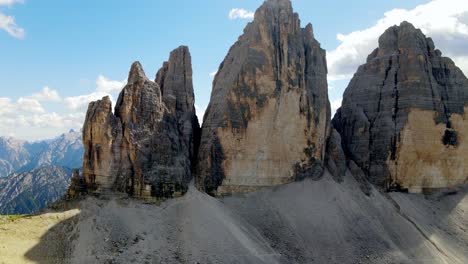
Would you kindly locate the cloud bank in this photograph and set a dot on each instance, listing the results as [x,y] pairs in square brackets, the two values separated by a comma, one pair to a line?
[445,21]
[27,118]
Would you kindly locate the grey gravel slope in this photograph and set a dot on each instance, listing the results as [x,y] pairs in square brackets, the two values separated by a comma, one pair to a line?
[304,222]
[328,222]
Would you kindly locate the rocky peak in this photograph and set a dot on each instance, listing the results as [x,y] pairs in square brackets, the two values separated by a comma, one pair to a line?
[146,147]
[309,30]
[276,12]
[404,38]
[267,120]
[404,107]
[137,74]
[175,80]
[284,4]
[103,105]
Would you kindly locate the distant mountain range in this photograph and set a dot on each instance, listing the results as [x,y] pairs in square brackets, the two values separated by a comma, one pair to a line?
[16,155]
[36,174]
[30,191]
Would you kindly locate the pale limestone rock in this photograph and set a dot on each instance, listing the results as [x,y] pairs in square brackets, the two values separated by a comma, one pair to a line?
[268,117]
[401,118]
[422,160]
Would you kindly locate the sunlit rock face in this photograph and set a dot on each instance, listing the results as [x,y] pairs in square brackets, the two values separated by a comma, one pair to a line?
[147,145]
[404,119]
[268,117]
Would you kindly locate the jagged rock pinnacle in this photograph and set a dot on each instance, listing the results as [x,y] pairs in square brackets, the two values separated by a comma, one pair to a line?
[136,73]
[146,148]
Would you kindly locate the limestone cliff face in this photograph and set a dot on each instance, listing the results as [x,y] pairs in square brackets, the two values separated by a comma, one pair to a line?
[403,119]
[268,117]
[146,146]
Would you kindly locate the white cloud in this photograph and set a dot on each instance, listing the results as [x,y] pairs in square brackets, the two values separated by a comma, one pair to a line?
[29,105]
[6,106]
[335,105]
[54,120]
[239,13]
[39,126]
[10,2]
[213,74]
[8,24]
[200,110]
[26,118]
[446,21]
[462,62]
[81,102]
[105,85]
[47,95]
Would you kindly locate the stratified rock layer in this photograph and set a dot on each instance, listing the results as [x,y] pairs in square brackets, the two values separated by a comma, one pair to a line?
[268,117]
[404,114]
[146,146]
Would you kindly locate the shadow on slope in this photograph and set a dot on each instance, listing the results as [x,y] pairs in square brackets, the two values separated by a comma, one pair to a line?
[305,222]
[326,222]
[56,245]
[44,236]
[193,228]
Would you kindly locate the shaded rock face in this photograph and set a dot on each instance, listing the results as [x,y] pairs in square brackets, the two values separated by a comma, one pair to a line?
[403,119]
[335,157]
[146,146]
[268,117]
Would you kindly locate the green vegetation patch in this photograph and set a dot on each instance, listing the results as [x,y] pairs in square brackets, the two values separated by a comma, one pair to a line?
[4,219]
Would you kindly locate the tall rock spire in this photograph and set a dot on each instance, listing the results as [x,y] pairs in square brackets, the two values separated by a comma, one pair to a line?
[146,146]
[268,116]
[175,80]
[403,119]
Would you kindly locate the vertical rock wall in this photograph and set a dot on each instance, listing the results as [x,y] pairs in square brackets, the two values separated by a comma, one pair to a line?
[402,118]
[268,117]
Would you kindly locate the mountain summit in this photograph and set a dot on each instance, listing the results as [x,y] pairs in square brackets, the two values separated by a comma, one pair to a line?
[268,117]
[145,147]
[404,114]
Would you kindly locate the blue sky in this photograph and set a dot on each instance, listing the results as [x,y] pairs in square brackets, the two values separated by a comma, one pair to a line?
[81,49]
